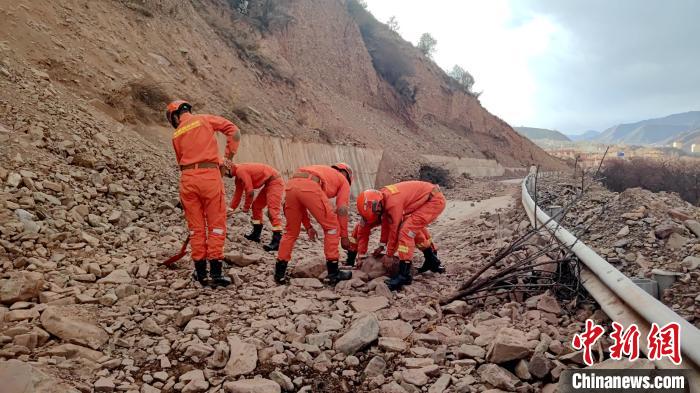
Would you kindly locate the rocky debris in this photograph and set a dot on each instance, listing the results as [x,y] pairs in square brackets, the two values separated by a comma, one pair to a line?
[20,377]
[508,344]
[360,334]
[60,322]
[21,286]
[252,386]
[243,357]
[498,377]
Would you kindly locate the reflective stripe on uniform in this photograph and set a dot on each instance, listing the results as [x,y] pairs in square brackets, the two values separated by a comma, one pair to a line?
[186,128]
[411,234]
[257,222]
[332,231]
[392,188]
[217,231]
[277,228]
[403,248]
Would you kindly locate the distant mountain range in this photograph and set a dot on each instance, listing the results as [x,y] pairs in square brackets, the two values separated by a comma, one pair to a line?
[535,134]
[586,136]
[679,127]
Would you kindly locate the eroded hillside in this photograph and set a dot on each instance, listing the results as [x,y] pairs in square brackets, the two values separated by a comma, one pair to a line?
[305,69]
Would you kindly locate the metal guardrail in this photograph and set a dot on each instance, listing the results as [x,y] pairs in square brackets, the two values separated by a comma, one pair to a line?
[620,298]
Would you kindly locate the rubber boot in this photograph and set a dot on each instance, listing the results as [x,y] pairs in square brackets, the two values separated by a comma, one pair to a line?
[431,263]
[281,272]
[200,272]
[275,242]
[335,275]
[217,278]
[403,278]
[254,235]
[352,255]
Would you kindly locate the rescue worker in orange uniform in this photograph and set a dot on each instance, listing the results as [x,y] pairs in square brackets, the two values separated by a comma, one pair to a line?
[309,191]
[404,211]
[201,185]
[252,176]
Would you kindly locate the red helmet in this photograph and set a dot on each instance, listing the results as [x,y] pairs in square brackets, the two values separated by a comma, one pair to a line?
[174,108]
[369,205]
[343,167]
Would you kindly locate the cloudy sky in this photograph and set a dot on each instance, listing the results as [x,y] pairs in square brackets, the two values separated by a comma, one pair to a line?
[569,65]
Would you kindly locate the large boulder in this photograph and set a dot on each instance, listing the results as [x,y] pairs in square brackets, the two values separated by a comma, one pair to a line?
[63,323]
[309,268]
[508,344]
[360,334]
[243,357]
[258,385]
[21,377]
[21,286]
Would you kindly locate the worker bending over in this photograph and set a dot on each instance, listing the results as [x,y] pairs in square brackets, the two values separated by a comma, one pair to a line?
[404,211]
[201,185]
[252,176]
[309,191]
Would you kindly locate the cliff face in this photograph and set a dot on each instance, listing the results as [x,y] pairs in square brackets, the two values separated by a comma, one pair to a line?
[305,69]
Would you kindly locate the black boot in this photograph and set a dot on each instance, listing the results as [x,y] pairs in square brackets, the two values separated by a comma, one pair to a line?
[431,262]
[335,275]
[254,235]
[403,278]
[352,255]
[200,272]
[217,278]
[275,242]
[281,272]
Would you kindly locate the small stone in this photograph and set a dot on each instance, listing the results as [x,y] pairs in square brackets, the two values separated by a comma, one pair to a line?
[375,367]
[415,377]
[258,385]
[104,385]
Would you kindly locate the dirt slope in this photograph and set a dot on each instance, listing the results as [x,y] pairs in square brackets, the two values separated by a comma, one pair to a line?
[307,74]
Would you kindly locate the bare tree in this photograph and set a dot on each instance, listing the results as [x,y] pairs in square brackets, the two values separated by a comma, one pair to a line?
[427,45]
[393,24]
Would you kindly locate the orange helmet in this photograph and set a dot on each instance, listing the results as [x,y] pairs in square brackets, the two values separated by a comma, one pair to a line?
[369,205]
[343,167]
[174,108]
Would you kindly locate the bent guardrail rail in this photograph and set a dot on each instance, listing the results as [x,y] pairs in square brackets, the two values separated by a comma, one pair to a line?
[617,295]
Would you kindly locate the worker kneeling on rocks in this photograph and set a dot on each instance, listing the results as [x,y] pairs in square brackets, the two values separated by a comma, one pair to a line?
[201,186]
[404,211]
[252,176]
[309,191]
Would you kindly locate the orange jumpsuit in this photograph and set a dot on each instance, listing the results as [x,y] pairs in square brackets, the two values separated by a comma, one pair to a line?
[250,177]
[409,207]
[202,189]
[310,191]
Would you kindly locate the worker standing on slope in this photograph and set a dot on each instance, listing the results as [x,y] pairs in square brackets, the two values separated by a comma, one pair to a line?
[309,191]
[359,242]
[249,177]
[201,185]
[404,211]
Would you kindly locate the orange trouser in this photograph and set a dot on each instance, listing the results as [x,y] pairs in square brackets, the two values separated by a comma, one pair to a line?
[423,239]
[270,195]
[414,226]
[305,196]
[202,196]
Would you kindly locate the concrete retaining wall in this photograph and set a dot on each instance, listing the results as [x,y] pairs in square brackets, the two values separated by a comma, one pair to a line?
[287,156]
[476,167]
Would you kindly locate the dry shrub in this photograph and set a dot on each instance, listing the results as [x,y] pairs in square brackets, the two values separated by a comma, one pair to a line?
[436,175]
[679,176]
[390,56]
